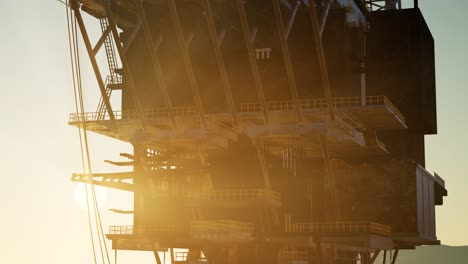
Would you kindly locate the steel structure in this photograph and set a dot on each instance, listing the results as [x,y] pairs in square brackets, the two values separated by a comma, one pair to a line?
[268,131]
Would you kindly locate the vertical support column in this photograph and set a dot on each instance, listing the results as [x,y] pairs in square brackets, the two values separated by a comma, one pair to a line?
[232,254]
[384,260]
[252,58]
[329,177]
[193,256]
[365,258]
[263,165]
[220,60]
[76,9]
[172,256]
[287,57]
[321,59]
[139,153]
[319,253]
[157,69]
[363,73]
[187,61]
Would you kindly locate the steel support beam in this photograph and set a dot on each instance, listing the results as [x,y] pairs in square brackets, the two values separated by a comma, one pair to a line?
[128,75]
[132,37]
[248,38]
[187,61]
[395,255]
[119,185]
[292,18]
[375,256]
[157,69]
[323,19]
[287,57]
[263,165]
[76,9]
[321,59]
[101,40]
[172,256]
[320,253]
[215,40]
[109,176]
[156,256]
[330,177]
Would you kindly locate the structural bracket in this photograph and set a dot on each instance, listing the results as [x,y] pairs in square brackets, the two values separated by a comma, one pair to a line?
[321,59]
[155,61]
[215,40]
[253,60]
[187,61]
[287,57]
[101,40]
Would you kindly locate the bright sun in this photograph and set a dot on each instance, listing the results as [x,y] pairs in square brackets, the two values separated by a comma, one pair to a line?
[80,196]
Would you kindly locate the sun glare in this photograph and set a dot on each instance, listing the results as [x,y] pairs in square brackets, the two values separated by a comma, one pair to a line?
[80,196]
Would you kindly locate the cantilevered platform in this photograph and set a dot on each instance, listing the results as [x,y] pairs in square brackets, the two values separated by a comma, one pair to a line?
[353,115]
[206,232]
[351,236]
[366,235]
[232,198]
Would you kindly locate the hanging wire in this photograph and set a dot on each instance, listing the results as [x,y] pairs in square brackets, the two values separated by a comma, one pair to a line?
[79,107]
[71,42]
[101,236]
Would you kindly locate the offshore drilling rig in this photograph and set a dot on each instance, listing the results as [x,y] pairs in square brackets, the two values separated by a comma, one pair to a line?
[268,131]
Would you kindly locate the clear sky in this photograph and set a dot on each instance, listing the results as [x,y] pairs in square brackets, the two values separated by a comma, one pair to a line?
[41,221]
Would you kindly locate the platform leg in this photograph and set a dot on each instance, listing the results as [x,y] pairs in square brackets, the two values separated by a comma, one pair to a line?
[156,256]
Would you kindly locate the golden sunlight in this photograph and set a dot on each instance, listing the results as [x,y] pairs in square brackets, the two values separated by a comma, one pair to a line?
[80,196]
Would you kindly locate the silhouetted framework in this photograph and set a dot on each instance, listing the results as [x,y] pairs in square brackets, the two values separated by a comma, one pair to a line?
[268,131]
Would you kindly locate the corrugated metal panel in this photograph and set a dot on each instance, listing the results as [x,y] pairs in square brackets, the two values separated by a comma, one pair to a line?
[432,209]
[426,205]
[420,199]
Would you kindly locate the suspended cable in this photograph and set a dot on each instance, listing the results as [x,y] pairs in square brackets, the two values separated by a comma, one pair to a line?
[79,107]
[101,236]
[85,134]
[69,15]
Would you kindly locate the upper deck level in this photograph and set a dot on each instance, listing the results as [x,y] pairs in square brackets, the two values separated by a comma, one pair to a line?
[354,115]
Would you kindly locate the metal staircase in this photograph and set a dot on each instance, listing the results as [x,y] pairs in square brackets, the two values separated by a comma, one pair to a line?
[113,78]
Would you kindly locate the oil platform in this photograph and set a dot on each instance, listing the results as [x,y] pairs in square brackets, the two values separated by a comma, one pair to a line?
[267,131]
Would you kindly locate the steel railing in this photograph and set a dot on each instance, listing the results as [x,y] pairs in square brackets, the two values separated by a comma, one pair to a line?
[338,103]
[221,227]
[182,257]
[313,104]
[377,5]
[292,255]
[162,114]
[196,227]
[342,227]
[144,229]
[236,195]
[157,114]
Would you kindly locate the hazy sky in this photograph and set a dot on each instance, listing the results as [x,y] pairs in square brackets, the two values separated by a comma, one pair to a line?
[42,222]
